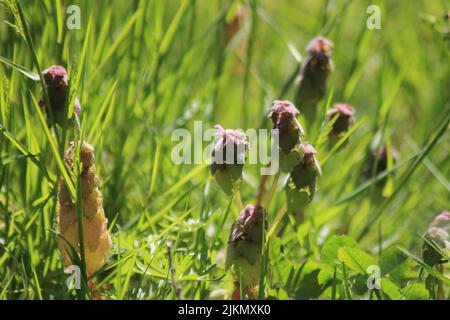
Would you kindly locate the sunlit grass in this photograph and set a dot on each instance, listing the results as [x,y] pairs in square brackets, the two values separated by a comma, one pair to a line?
[144,68]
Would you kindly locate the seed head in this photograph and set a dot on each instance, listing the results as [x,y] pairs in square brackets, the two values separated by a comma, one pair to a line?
[228,158]
[345,114]
[320,51]
[87,157]
[97,241]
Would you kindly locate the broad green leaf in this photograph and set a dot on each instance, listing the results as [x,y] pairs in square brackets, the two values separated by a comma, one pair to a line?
[416,291]
[390,289]
[325,275]
[307,286]
[331,246]
[355,259]
[390,259]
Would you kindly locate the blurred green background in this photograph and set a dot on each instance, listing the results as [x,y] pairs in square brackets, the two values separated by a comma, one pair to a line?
[153,66]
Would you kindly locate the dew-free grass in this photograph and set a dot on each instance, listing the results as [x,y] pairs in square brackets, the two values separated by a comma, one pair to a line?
[141,69]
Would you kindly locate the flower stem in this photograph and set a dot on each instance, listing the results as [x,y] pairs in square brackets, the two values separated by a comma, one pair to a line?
[262,185]
[273,187]
[237,197]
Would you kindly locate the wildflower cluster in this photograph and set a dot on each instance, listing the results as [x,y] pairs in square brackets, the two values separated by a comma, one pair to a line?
[297,159]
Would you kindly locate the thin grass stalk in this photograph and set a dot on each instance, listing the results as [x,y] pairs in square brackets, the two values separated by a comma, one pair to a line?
[251,41]
[30,44]
[79,211]
[238,198]
[429,146]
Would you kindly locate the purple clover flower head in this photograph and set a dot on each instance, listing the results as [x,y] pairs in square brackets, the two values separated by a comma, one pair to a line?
[249,217]
[377,162]
[320,48]
[442,220]
[284,118]
[228,141]
[228,158]
[305,174]
[301,186]
[282,106]
[56,77]
[383,157]
[436,239]
[245,244]
[345,114]
[309,157]
[57,83]
[437,233]
[314,72]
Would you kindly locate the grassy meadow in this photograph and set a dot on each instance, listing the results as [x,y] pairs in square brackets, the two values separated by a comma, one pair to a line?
[141,69]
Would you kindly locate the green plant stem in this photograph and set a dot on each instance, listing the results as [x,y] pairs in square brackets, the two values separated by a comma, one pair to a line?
[36,63]
[79,209]
[272,191]
[238,199]
[249,62]
[261,189]
[346,288]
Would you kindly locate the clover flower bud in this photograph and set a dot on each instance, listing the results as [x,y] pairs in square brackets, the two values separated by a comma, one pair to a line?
[308,169]
[345,119]
[56,82]
[244,247]
[314,72]
[436,239]
[378,160]
[228,158]
[301,186]
[97,241]
[442,220]
[343,116]
[284,118]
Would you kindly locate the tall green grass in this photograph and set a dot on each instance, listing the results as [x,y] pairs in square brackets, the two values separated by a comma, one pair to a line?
[144,68]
